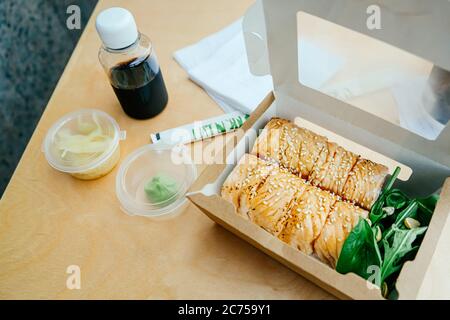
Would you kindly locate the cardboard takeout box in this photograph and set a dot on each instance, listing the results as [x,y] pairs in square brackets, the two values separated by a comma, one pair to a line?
[271,35]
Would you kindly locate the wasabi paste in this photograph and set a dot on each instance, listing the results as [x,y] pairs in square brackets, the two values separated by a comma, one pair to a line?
[160,188]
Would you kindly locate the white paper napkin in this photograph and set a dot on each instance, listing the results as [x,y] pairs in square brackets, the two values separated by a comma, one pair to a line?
[218,63]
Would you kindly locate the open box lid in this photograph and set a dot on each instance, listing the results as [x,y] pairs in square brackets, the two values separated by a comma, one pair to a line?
[271,37]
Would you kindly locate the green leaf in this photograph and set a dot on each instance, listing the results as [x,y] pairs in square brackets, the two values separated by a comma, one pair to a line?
[390,182]
[409,212]
[426,208]
[396,199]
[402,246]
[376,213]
[429,203]
[359,252]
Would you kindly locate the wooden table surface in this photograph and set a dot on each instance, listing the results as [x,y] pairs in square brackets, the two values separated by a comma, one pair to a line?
[50,221]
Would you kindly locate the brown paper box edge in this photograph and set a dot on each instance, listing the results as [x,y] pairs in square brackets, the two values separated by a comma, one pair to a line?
[349,286]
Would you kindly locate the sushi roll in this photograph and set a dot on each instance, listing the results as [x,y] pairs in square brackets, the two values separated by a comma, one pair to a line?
[243,182]
[273,201]
[364,183]
[267,145]
[343,217]
[332,169]
[307,218]
[294,148]
[323,163]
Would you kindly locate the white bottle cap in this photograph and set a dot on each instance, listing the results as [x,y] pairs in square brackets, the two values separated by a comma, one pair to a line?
[117,28]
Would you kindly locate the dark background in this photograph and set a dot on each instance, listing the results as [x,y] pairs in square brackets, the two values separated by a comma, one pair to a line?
[35,45]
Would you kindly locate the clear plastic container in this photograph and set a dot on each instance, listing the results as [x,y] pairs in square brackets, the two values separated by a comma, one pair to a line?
[153,181]
[84,144]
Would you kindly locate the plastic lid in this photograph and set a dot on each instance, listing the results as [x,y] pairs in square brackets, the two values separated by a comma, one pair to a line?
[81,140]
[117,28]
[153,180]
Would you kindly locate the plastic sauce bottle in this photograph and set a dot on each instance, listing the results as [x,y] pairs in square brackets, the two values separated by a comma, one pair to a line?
[130,61]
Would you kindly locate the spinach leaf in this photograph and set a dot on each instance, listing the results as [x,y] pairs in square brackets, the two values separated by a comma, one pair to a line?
[359,252]
[376,213]
[408,212]
[402,246]
[396,199]
[426,208]
[429,203]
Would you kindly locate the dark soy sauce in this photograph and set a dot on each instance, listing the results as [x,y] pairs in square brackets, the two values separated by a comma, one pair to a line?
[139,87]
